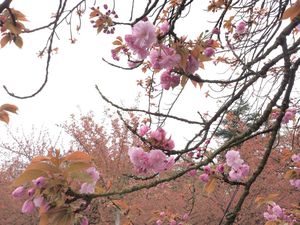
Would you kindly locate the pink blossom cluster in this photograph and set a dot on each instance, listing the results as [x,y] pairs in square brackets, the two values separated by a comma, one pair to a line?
[169,79]
[34,200]
[157,138]
[89,187]
[142,42]
[239,169]
[143,36]
[155,160]
[276,213]
[289,115]
[296,181]
[208,171]
[166,58]
[163,58]
[180,220]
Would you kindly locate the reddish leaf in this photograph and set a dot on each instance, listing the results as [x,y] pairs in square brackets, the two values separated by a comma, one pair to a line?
[9,108]
[4,40]
[77,156]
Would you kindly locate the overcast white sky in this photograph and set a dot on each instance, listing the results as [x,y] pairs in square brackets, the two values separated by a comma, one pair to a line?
[75,70]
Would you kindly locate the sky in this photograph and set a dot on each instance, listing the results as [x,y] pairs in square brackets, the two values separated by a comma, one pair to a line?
[75,70]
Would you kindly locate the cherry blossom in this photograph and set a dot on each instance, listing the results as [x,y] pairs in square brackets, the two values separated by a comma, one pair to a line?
[87,188]
[233,159]
[144,130]
[142,37]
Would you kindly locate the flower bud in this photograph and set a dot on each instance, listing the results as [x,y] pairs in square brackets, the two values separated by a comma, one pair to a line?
[18,192]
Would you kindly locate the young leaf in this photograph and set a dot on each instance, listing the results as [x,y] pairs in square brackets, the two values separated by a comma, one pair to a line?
[9,108]
[292,12]
[28,176]
[210,185]
[4,40]
[4,117]
[77,156]
[18,41]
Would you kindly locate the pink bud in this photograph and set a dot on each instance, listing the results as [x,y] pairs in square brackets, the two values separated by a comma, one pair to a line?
[39,182]
[18,192]
[209,52]
[185,216]
[28,207]
[207,169]
[220,168]
[204,177]
[216,30]
[84,221]
[31,192]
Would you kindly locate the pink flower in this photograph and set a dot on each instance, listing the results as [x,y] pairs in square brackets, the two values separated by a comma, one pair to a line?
[233,159]
[139,159]
[164,28]
[277,210]
[39,182]
[289,115]
[157,160]
[209,52]
[164,58]
[192,65]
[167,80]
[220,168]
[241,28]
[159,134]
[28,207]
[239,173]
[269,216]
[93,173]
[169,163]
[84,221]
[87,188]
[142,37]
[296,158]
[18,192]
[295,183]
[143,130]
[204,177]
